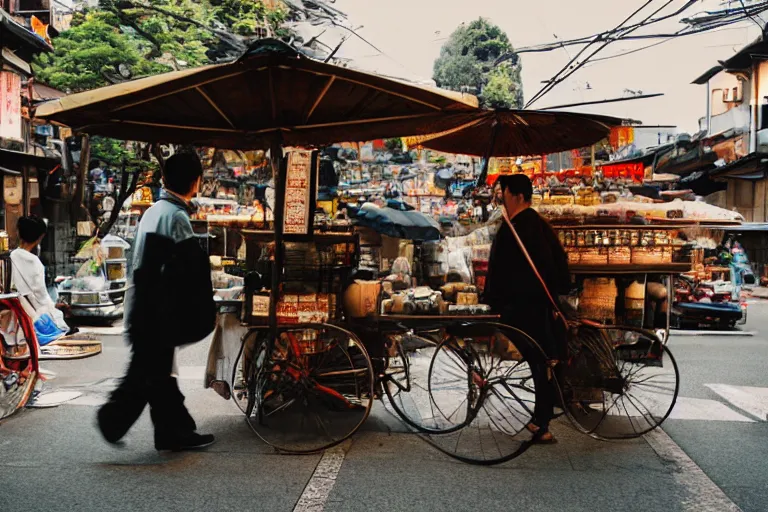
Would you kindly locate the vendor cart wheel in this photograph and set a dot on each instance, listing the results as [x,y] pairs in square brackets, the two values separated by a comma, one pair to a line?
[406,379]
[481,387]
[312,388]
[625,396]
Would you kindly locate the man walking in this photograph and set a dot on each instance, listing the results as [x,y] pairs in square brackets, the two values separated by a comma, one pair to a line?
[514,292]
[150,376]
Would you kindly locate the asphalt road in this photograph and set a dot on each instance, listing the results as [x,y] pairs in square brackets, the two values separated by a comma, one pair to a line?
[53,459]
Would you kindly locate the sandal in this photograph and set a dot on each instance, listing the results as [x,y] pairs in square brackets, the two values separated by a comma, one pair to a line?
[540,436]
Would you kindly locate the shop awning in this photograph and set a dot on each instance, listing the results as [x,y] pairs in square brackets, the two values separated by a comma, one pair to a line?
[751,167]
[17,36]
[10,172]
[749,226]
[15,161]
[271,93]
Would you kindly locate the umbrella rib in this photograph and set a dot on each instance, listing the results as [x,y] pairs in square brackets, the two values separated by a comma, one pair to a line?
[371,86]
[320,98]
[183,127]
[215,106]
[362,121]
[419,139]
[175,91]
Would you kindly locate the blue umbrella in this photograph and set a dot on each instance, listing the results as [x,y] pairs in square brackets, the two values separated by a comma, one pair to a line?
[397,223]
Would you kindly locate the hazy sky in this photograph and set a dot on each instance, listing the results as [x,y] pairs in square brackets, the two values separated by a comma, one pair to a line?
[411,32]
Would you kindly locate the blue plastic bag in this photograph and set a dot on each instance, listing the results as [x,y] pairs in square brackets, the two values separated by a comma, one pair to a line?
[46,329]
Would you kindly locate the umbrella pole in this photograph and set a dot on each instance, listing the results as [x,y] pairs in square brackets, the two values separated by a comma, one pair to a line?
[276,158]
[489,153]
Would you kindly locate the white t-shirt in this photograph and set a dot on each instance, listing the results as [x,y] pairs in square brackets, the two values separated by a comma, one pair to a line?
[28,278]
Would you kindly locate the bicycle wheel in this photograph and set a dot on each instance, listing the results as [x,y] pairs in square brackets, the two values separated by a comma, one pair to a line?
[405,380]
[643,393]
[482,386]
[312,388]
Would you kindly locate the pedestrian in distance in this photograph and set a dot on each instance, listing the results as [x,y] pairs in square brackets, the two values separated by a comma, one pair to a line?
[169,303]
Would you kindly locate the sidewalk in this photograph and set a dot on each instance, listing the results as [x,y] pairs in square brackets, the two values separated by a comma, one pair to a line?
[58,462]
[759,292]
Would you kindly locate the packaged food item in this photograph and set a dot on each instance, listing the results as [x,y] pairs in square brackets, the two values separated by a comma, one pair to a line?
[466,299]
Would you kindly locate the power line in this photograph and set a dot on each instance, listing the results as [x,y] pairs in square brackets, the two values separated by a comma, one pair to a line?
[623,32]
[743,6]
[701,24]
[555,79]
[712,22]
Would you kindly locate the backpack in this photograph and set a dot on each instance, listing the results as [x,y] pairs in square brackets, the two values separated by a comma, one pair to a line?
[174,291]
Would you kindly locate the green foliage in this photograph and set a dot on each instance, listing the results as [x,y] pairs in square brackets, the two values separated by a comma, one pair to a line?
[503,88]
[93,47]
[467,61]
[394,144]
[149,38]
[170,34]
[245,17]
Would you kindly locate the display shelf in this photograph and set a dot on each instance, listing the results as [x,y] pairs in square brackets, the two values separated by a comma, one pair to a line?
[445,318]
[669,225]
[322,237]
[664,268]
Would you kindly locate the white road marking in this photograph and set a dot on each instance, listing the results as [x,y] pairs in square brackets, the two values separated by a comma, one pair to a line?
[321,483]
[115,330]
[682,332]
[191,373]
[703,494]
[705,410]
[89,401]
[752,400]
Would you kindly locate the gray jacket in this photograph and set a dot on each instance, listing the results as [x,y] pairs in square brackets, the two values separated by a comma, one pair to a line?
[168,218]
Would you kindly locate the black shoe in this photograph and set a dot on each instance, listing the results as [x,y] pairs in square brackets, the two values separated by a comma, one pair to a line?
[186,442]
[110,433]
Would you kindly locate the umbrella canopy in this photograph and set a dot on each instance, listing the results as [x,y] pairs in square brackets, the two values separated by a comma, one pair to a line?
[507,133]
[408,225]
[271,93]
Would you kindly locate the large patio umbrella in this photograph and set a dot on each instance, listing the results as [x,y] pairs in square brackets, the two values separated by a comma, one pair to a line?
[272,92]
[269,98]
[505,133]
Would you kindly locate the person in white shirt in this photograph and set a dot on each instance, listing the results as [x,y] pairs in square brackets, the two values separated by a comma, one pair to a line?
[28,276]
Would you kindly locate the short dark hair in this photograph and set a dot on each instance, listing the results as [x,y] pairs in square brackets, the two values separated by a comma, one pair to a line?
[517,184]
[31,228]
[181,171]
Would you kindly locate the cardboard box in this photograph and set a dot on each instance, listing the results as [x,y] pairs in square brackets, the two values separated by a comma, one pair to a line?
[361,298]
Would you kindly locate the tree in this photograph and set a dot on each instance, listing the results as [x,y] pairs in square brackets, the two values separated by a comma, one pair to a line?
[126,39]
[89,52]
[467,61]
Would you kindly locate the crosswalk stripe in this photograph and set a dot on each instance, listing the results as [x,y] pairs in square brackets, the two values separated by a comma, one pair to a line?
[751,400]
[705,410]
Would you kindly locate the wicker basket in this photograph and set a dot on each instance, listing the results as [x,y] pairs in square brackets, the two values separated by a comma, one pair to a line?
[594,256]
[574,256]
[651,255]
[598,299]
[620,256]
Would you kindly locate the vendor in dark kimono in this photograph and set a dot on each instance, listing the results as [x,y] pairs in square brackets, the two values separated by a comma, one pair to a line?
[513,290]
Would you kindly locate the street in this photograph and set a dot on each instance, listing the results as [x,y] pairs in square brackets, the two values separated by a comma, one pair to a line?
[54,459]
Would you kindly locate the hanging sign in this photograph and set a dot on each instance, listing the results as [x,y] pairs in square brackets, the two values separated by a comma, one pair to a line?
[10,105]
[297,188]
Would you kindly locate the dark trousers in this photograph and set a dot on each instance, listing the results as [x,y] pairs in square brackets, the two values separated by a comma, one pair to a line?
[147,381]
[532,319]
